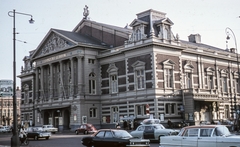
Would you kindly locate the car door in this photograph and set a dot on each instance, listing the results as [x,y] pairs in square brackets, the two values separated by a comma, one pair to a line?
[148,132]
[138,132]
[190,137]
[98,139]
[206,139]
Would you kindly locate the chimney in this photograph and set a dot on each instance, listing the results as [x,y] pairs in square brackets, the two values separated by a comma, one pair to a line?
[194,38]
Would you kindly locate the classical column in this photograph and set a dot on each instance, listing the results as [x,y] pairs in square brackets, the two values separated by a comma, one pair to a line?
[80,75]
[41,82]
[51,81]
[72,79]
[37,83]
[60,81]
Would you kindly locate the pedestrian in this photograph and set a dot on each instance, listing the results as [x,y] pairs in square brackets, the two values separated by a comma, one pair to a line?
[125,125]
[169,123]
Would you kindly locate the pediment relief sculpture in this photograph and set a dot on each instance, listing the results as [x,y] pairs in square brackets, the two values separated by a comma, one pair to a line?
[53,44]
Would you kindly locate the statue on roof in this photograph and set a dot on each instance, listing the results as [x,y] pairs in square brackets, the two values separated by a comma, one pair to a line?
[85,12]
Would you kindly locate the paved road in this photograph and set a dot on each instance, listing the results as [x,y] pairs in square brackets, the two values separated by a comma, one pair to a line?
[56,140]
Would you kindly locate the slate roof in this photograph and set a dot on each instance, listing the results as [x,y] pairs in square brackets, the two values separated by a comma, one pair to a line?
[80,38]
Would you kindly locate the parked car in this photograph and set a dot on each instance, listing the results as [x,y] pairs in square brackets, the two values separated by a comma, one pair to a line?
[5,129]
[152,132]
[37,132]
[50,128]
[113,138]
[86,129]
[202,136]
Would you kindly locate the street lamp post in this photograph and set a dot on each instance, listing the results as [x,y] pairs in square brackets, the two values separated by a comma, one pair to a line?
[14,139]
[229,33]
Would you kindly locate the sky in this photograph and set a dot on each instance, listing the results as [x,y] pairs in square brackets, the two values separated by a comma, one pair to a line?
[209,18]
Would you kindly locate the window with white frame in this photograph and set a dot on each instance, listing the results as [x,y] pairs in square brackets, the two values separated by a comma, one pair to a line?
[93,112]
[188,70]
[141,109]
[115,114]
[224,83]
[140,78]
[210,77]
[139,69]
[169,78]
[138,35]
[113,78]
[92,83]
[188,80]
[114,84]
[236,82]
[168,66]
[170,108]
[224,80]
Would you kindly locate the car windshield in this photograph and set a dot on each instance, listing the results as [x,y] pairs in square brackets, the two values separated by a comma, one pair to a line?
[121,134]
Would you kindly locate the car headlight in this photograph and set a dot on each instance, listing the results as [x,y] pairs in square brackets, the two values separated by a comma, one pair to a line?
[40,134]
[131,143]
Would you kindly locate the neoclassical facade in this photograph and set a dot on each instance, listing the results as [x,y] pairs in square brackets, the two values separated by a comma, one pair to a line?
[101,74]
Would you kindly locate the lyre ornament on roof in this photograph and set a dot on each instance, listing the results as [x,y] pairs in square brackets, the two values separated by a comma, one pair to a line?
[85,12]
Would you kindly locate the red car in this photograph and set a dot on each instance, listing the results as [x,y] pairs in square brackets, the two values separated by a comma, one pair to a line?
[86,129]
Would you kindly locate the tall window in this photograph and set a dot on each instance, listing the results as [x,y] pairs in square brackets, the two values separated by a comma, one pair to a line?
[115,114]
[210,82]
[141,109]
[93,112]
[170,108]
[169,78]
[237,86]
[114,83]
[92,83]
[140,78]
[224,82]
[138,35]
[168,66]
[188,80]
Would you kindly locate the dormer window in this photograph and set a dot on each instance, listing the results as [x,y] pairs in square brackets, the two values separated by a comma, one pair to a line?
[138,35]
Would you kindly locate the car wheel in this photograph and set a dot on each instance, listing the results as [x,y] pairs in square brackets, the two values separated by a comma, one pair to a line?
[35,137]
[76,132]
[47,138]
[53,132]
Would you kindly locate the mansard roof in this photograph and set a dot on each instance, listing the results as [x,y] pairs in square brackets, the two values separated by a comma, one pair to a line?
[120,29]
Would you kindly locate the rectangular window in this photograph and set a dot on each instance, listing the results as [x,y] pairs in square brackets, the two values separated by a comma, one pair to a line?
[115,114]
[237,86]
[92,87]
[140,79]
[224,84]
[170,108]
[188,80]
[93,112]
[210,82]
[91,61]
[169,78]
[114,84]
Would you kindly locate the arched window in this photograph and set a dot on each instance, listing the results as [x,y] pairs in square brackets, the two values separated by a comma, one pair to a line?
[92,83]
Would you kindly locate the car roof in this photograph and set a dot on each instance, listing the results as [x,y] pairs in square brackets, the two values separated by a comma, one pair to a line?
[203,126]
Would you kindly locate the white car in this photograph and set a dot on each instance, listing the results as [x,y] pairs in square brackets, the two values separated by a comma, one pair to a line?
[5,129]
[152,132]
[202,136]
[49,128]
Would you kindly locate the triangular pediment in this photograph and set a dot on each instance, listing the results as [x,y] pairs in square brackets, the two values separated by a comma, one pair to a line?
[136,22]
[53,42]
[168,62]
[164,21]
[188,65]
[138,64]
